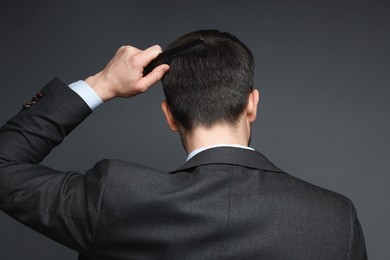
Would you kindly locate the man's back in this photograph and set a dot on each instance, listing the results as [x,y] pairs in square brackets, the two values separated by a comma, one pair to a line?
[219,206]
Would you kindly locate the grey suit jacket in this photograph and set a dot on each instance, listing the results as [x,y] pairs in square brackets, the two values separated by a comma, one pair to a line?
[225,203]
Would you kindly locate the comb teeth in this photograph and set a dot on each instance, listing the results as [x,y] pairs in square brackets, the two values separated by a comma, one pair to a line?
[194,48]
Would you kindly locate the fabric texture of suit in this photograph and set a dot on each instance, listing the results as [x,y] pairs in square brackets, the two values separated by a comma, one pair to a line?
[224,203]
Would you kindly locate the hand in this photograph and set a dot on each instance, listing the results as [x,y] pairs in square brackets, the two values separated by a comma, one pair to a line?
[123,75]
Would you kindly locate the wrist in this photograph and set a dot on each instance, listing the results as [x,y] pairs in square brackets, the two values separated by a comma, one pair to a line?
[101,86]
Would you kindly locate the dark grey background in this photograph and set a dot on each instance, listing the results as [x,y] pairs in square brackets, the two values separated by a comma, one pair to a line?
[322,69]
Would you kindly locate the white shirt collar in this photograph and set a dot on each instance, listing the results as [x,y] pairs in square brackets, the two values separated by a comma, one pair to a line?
[196,151]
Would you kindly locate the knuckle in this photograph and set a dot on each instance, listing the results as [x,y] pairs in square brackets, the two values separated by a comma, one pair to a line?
[122,48]
[128,50]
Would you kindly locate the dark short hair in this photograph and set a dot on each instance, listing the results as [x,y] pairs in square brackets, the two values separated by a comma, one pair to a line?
[210,89]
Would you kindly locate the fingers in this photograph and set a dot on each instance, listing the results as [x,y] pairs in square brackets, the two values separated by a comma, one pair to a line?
[157,73]
[146,56]
[125,71]
[154,76]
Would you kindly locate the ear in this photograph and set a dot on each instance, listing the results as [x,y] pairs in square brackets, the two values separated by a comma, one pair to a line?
[251,108]
[168,116]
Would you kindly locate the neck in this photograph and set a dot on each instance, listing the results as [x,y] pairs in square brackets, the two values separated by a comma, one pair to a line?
[219,134]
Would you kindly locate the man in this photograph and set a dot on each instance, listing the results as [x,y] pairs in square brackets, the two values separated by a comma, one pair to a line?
[226,202]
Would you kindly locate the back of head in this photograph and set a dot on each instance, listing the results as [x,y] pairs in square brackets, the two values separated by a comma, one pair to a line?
[210,89]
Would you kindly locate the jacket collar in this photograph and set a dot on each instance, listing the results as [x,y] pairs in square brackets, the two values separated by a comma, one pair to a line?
[232,156]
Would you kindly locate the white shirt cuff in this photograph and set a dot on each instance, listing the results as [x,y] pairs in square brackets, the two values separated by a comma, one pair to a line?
[86,93]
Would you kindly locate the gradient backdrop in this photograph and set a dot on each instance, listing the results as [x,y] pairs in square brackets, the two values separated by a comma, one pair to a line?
[322,69]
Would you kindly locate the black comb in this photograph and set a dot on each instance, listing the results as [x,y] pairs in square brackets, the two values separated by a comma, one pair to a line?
[193,48]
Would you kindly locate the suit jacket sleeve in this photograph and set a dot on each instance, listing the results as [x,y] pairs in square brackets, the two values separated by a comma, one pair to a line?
[62,206]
